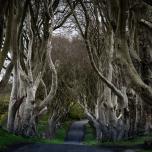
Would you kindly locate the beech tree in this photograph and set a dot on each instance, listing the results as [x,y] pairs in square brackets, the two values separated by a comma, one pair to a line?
[32,51]
[114,23]
[117,38]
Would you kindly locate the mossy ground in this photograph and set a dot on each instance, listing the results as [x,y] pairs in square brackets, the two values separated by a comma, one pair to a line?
[7,139]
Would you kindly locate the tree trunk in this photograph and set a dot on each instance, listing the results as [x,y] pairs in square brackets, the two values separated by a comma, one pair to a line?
[52,126]
[14,97]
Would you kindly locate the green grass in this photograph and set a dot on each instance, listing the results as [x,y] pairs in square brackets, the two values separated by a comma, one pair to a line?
[91,140]
[76,112]
[61,133]
[43,124]
[7,139]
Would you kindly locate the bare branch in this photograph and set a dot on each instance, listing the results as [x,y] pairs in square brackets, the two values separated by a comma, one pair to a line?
[147,23]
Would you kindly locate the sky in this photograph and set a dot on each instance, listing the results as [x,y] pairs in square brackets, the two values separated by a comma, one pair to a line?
[64,32]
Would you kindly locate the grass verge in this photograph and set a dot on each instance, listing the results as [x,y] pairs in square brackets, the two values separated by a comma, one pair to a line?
[90,139]
[8,139]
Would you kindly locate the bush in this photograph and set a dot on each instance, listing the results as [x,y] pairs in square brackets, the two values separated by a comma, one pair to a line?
[76,112]
[3,119]
[4,101]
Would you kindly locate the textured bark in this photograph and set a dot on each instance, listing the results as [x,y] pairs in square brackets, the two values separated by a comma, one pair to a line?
[123,18]
[136,82]
[31,78]
[12,110]
[148,2]
[14,93]
[109,84]
[54,85]
[3,4]
[7,75]
[3,7]
[12,44]
[8,37]
[52,125]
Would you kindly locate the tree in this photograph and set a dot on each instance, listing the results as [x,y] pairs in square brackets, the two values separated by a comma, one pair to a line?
[26,76]
[32,54]
[118,19]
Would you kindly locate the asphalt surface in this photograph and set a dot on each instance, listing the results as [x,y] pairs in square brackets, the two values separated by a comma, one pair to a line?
[59,148]
[73,143]
[65,148]
[76,132]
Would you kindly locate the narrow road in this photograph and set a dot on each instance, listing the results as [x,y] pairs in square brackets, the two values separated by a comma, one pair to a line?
[64,148]
[58,148]
[73,143]
[76,132]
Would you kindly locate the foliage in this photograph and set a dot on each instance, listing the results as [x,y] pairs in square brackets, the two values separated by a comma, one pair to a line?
[3,119]
[76,112]
[4,100]
[43,124]
[61,133]
[90,138]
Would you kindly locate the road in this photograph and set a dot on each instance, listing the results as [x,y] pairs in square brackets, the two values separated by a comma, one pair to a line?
[65,148]
[73,143]
[59,148]
[76,132]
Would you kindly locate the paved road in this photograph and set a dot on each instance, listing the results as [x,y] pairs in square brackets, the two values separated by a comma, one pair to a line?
[59,148]
[64,148]
[72,143]
[76,132]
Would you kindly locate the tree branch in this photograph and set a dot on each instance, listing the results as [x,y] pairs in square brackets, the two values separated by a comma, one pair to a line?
[147,23]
